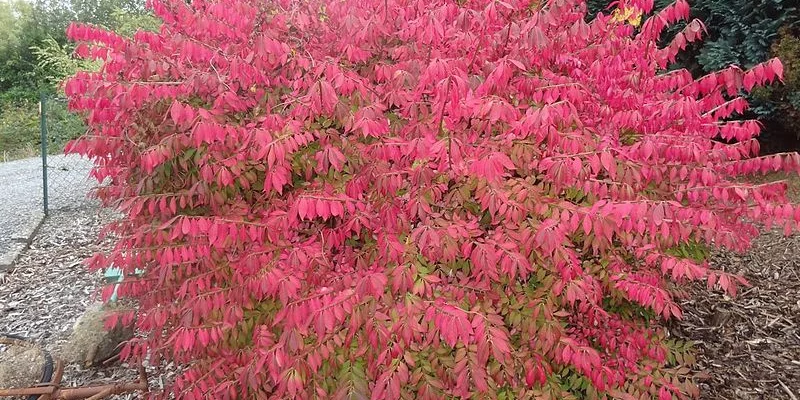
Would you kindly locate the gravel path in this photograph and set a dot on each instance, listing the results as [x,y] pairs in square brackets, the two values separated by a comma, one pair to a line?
[21,193]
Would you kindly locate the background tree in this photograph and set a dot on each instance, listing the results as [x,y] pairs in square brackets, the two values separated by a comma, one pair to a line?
[35,57]
[101,12]
[20,31]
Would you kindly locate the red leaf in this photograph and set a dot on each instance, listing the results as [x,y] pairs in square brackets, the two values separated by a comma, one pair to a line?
[658,214]
[322,209]
[777,67]
[176,112]
[607,161]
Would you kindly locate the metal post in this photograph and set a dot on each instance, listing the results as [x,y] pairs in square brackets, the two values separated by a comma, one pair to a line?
[43,129]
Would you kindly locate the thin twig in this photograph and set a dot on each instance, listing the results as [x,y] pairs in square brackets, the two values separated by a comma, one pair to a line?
[787,390]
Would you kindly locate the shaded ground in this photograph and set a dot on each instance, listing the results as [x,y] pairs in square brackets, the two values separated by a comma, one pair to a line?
[750,344]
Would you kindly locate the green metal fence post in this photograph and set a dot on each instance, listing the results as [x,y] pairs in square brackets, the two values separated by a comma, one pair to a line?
[43,129]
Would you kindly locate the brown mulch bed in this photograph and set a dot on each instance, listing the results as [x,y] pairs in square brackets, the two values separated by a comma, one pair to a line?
[750,344]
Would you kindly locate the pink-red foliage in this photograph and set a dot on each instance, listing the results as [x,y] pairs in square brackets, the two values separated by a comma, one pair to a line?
[417,198]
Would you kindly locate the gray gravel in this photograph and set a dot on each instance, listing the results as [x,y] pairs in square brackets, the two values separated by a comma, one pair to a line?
[21,192]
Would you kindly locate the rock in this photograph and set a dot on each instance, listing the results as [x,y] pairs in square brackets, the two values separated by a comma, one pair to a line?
[90,344]
[20,366]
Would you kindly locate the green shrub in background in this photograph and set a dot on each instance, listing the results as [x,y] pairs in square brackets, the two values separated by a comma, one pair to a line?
[19,131]
[783,101]
[20,134]
[55,62]
[17,96]
[62,126]
[741,32]
[746,32]
[35,57]
[127,23]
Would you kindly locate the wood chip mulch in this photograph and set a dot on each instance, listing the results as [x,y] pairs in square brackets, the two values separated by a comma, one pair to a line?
[749,345]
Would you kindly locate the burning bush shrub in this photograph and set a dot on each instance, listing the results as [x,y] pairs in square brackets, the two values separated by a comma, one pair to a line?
[417,199]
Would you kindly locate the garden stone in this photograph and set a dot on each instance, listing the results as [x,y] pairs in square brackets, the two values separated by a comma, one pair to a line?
[90,343]
[20,366]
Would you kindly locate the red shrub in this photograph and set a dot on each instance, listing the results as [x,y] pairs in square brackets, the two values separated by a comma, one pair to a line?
[417,199]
